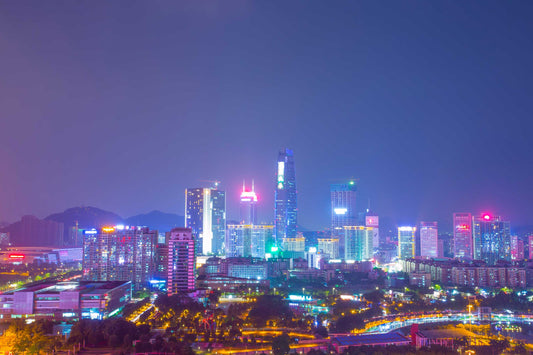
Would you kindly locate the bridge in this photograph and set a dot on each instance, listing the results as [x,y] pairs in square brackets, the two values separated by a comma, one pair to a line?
[391,323]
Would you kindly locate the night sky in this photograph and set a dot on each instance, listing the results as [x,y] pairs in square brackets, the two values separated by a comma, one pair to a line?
[122,104]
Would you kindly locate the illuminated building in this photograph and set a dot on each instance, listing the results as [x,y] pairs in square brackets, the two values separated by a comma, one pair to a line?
[286,207]
[406,242]
[293,247]
[248,205]
[66,300]
[343,211]
[119,254]
[492,239]
[181,259]
[205,214]
[329,247]
[373,221]
[462,236]
[359,243]
[4,238]
[247,270]
[313,258]
[530,246]
[429,242]
[517,248]
[248,240]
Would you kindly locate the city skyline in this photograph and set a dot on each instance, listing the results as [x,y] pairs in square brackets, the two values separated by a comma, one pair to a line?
[433,105]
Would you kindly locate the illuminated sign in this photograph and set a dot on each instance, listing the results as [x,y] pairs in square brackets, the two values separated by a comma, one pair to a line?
[281,174]
[108,229]
[406,229]
[274,249]
[340,210]
[16,256]
[90,232]
[248,196]
[347,298]
[372,221]
[351,182]
[299,298]
[463,227]
[120,227]
[312,249]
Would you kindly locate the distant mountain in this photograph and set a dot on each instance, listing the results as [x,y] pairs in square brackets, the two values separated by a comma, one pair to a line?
[162,222]
[87,217]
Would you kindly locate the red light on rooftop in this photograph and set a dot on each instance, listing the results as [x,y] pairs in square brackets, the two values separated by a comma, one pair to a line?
[487,217]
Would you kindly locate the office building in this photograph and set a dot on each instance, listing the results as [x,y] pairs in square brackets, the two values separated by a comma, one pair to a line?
[248,205]
[205,214]
[530,246]
[371,220]
[406,242]
[181,268]
[343,212]
[248,240]
[120,254]
[492,239]
[293,247]
[359,243]
[286,207]
[329,247]
[429,240]
[517,248]
[313,257]
[66,300]
[462,236]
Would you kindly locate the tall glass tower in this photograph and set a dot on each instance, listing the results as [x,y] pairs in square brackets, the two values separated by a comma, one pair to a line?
[343,211]
[205,214]
[286,208]
[492,239]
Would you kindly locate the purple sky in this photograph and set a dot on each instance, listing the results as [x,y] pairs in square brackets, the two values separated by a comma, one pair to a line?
[122,104]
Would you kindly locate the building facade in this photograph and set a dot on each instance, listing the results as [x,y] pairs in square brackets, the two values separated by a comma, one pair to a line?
[406,242]
[248,240]
[329,247]
[285,197]
[248,205]
[462,236]
[181,268]
[343,212]
[371,220]
[492,239]
[359,243]
[429,239]
[120,254]
[205,214]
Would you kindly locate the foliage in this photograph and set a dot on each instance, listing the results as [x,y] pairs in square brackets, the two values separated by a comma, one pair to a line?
[281,344]
[269,307]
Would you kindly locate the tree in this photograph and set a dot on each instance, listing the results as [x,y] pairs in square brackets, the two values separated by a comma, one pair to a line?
[281,344]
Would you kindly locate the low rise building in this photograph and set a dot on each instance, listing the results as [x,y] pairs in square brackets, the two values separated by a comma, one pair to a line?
[66,300]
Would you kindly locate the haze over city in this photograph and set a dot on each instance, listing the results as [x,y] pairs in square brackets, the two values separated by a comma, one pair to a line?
[124,105]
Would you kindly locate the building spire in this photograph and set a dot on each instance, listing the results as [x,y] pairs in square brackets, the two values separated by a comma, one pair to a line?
[253,186]
[243,186]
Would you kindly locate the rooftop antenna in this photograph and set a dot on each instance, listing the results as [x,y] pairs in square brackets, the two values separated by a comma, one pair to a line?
[253,186]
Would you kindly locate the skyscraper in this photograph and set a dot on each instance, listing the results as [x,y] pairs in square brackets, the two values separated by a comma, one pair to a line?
[343,211]
[406,242]
[371,220]
[286,208]
[329,247]
[492,239]
[429,242]
[205,214]
[359,244]
[462,235]
[248,205]
[181,261]
[120,254]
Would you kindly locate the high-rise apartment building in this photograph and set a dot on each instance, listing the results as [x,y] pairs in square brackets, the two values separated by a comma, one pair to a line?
[371,220]
[329,247]
[286,207]
[205,214]
[359,243]
[429,239]
[406,242]
[120,254]
[492,239]
[343,212]
[249,240]
[530,245]
[248,205]
[181,259]
[517,248]
[462,236]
